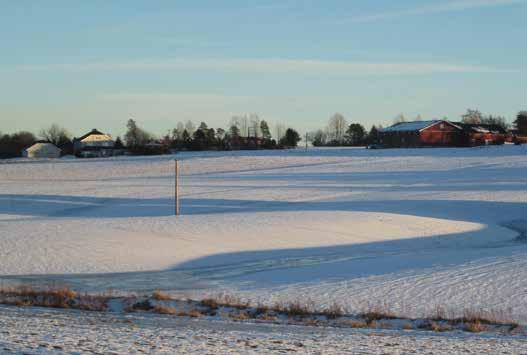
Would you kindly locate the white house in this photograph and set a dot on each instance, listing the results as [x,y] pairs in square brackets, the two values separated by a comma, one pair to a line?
[94,144]
[42,150]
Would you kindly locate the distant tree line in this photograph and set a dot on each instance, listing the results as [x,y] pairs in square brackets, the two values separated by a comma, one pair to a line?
[11,145]
[242,132]
[339,133]
[476,117]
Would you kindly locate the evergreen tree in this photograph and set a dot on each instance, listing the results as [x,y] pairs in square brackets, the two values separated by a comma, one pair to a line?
[318,138]
[199,139]
[495,120]
[118,143]
[135,137]
[185,139]
[211,137]
[264,128]
[234,132]
[291,138]
[11,146]
[373,135]
[220,134]
[355,134]
[521,123]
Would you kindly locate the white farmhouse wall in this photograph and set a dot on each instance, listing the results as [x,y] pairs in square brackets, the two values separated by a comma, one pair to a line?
[97,140]
[42,150]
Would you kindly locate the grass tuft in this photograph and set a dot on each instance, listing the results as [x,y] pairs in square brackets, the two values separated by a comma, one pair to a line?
[161,296]
[165,310]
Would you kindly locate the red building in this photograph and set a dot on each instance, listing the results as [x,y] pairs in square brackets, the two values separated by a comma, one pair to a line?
[436,133]
[475,134]
[441,133]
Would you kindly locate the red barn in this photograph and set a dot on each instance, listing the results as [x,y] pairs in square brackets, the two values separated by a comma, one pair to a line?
[436,133]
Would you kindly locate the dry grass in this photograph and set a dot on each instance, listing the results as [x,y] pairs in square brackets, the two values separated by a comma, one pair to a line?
[195,313]
[495,317]
[161,296]
[333,311]
[300,310]
[262,309]
[440,314]
[224,300]
[165,310]
[267,317]
[240,316]
[145,305]
[210,303]
[408,326]
[474,327]
[353,323]
[311,322]
[378,312]
[293,309]
[435,326]
[92,303]
[52,297]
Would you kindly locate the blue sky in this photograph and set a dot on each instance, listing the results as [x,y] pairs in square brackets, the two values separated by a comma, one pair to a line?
[86,64]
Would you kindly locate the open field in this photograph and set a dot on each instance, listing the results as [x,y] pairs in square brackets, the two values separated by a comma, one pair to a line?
[413,229]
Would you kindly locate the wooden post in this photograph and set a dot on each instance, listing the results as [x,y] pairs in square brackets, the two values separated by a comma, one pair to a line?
[176,188]
[306,140]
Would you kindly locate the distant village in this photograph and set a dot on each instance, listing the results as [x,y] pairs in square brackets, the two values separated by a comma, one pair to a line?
[249,132]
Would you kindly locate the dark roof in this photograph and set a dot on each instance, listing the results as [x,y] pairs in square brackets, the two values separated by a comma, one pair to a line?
[93,131]
[409,126]
[414,126]
[91,148]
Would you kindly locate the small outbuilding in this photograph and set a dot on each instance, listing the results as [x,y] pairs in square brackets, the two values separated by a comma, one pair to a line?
[475,134]
[42,150]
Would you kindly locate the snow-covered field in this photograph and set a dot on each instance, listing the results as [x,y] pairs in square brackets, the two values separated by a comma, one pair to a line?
[413,229]
[44,331]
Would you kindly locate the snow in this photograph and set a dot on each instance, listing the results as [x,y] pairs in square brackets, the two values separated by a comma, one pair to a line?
[414,228]
[47,331]
[410,126]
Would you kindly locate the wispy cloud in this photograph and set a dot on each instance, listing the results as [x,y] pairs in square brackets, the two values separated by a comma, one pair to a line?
[171,97]
[450,6]
[274,66]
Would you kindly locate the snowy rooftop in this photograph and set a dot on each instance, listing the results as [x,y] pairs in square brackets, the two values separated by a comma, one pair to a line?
[409,126]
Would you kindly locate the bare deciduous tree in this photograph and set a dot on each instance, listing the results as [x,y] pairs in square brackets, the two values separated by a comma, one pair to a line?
[242,123]
[399,119]
[337,127]
[279,131]
[472,116]
[55,134]
[254,125]
[190,128]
